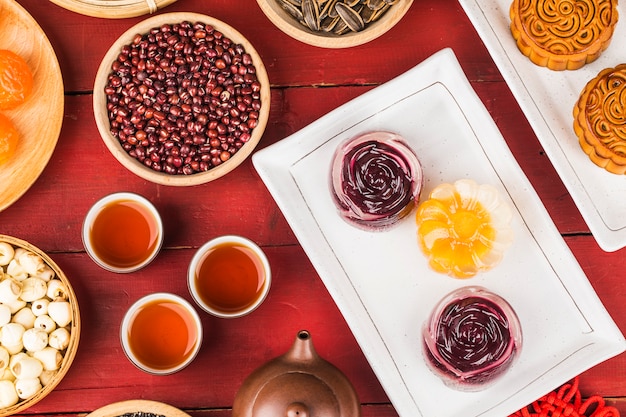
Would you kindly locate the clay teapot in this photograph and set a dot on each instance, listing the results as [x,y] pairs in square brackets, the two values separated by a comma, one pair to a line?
[297,384]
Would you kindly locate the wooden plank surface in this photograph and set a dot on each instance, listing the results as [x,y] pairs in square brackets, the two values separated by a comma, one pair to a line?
[307,82]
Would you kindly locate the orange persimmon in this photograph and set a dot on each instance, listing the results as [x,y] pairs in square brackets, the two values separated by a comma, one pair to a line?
[16,80]
[9,138]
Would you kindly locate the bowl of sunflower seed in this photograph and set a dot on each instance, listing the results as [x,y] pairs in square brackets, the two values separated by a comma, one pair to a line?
[334,23]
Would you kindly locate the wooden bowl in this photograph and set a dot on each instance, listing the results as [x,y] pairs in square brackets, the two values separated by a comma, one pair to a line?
[137,407]
[297,30]
[74,328]
[39,119]
[113,9]
[132,164]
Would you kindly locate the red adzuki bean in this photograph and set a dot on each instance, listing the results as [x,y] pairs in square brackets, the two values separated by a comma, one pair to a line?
[183,98]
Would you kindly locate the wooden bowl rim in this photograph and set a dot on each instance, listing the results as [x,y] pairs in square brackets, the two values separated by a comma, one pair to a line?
[130,406]
[113,10]
[136,167]
[72,348]
[283,21]
[45,106]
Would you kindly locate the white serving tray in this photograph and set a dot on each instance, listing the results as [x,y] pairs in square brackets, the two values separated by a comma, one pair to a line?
[381,281]
[547,98]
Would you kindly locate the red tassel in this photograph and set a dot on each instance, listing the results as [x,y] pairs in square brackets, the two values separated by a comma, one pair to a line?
[567,402]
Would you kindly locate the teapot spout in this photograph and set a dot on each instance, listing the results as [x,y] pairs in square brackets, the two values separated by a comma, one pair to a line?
[302,349]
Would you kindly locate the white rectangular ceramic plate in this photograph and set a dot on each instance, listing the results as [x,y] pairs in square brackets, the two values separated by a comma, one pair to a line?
[381,281]
[547,98]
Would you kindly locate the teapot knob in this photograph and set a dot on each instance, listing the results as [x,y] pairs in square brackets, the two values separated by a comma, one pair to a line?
[297,410]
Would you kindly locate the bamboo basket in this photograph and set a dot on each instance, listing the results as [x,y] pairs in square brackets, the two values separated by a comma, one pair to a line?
[74,328]
[113,9]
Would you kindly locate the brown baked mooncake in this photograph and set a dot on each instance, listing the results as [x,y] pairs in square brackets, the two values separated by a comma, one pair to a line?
[600,119]
[563,34]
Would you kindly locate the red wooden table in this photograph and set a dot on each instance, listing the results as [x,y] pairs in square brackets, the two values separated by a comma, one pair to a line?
[307,82]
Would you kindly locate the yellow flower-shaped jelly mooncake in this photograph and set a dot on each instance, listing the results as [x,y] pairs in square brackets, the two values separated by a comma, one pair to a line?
[464,228]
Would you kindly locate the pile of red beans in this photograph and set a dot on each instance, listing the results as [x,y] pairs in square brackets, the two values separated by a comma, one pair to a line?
[183,98]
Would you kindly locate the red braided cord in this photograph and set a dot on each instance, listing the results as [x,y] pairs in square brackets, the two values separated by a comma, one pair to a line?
[567,402]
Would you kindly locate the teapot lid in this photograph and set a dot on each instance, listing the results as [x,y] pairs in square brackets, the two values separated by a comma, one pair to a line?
[297,384]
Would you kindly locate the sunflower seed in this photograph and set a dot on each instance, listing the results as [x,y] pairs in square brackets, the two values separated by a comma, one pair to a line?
[292,10]
[332,12]
[375,4]
[367,14]
[341,27]
[328,7]
[351,17]
[329,23]
[311,14]
[378,13]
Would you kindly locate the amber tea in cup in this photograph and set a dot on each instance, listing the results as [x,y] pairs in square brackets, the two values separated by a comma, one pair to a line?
[161,333]
[229,276]
[122,232]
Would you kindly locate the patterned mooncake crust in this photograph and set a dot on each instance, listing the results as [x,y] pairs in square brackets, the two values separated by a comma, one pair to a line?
[563,34]
[600,119]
